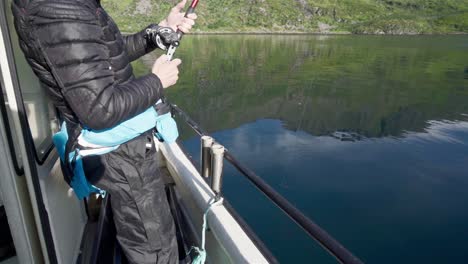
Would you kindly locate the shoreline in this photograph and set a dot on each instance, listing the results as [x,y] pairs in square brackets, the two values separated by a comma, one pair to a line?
[293,33]
[323,33]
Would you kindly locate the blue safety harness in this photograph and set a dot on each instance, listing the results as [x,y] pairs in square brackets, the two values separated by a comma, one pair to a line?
[92,142]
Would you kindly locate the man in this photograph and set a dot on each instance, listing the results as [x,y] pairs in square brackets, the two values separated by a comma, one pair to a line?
[82,59]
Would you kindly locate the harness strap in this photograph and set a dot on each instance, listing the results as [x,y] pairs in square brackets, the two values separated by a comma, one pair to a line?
[81,143]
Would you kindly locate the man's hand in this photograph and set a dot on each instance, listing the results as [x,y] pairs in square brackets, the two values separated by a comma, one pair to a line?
[167,71]
[176,19]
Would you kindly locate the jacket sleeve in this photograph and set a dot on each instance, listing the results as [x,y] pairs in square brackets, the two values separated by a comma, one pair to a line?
[137,45]
[70,38]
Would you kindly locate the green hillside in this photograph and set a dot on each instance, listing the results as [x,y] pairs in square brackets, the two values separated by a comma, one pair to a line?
[335,16]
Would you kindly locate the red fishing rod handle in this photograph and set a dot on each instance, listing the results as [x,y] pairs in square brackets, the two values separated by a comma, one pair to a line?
[190,10]
[194,4]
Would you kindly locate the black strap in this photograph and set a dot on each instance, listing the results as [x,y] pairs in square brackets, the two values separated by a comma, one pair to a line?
[162,108]
[68,167]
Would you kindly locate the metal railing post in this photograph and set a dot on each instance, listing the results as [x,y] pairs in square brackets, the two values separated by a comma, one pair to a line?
[206,143]
[217,159]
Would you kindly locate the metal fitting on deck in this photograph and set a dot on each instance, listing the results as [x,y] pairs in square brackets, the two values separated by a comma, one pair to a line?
[217,158]
[206,143]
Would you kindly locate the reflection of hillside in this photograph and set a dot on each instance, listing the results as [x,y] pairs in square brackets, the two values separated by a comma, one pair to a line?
[374,86]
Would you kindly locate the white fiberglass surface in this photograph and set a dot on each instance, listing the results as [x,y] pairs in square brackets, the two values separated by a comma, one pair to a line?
[65,212]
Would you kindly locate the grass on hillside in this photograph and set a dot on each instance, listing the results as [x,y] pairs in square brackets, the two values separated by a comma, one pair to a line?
[350,16]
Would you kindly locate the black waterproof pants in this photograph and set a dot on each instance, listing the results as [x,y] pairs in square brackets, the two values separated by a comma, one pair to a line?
[145,227]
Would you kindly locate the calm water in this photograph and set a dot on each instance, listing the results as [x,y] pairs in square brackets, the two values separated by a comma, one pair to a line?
[367,135]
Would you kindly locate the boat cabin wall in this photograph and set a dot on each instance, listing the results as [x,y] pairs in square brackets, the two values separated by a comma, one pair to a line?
[57,217]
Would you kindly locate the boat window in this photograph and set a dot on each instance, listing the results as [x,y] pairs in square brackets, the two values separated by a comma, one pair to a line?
[40,112]
[10,130]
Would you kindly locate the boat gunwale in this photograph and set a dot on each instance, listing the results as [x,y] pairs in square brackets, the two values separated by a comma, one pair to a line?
[236,242]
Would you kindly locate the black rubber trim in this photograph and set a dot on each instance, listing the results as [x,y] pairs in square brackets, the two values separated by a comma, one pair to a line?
[18,169]
[40,160]
[27,137]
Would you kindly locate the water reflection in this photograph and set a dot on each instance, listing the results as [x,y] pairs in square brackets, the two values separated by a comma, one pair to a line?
[400,195]
[346,136]
[373,86]
[367,135]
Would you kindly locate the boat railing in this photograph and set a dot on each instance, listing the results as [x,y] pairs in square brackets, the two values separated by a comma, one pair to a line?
[212,154]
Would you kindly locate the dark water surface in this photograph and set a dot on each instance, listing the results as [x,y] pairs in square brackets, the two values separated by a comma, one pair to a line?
[367,135]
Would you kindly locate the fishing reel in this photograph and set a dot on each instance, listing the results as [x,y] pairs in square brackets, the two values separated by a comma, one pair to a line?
[162,37]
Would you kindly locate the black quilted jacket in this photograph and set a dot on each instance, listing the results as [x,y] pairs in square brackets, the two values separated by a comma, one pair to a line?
[78,53]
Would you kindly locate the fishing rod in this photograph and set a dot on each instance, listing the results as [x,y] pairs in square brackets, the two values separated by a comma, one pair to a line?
[175,44]
[329,243]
